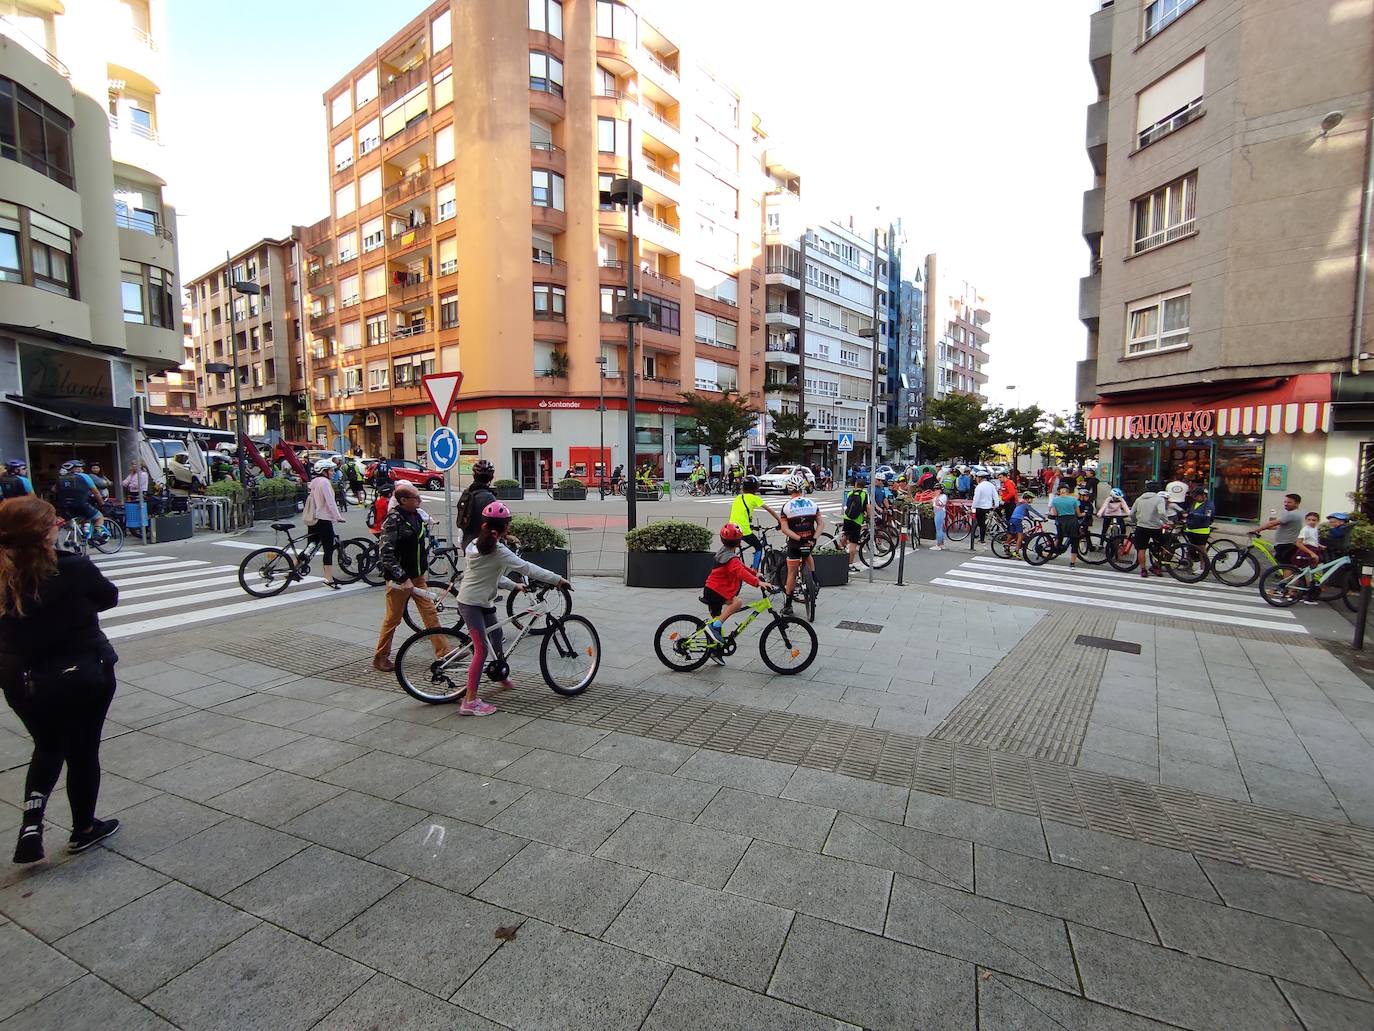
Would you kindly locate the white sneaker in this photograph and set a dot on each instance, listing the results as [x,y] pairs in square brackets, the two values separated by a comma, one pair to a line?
[853,567]
[937,547]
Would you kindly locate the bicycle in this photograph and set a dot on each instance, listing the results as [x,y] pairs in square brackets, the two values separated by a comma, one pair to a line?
[267,572]
[788,645]
[1285,585]
[360,558]
[958,521]
[80,534]
[774,569]
[1182,560]
[1240,567]
[569,656]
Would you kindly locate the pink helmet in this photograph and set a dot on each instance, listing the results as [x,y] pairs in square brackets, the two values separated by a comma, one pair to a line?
[497,511]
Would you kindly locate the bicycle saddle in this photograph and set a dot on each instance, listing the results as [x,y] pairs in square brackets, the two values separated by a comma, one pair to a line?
[283,526]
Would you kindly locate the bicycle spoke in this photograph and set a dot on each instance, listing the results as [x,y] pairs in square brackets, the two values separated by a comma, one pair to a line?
[570,655]
[433,665]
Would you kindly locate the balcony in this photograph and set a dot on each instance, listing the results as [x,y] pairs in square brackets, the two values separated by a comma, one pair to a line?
[407,187]
[783,275]
[781,386]
[1090,300]
[1094,207]
[322,322]
[398,84]
[543,217]
[1096,136]
[657,233]
[1100,48]
[550,270]
[781,315]
[317,239]
[660,71]
[547,156]
[413,329]
[321,278]
[652,280]
[1086,392]
[142,224]
[410,288]
[661,180]
[13,29]
[660,129]
[409,238]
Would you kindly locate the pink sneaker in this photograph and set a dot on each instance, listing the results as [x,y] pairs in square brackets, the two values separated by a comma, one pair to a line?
[476,707]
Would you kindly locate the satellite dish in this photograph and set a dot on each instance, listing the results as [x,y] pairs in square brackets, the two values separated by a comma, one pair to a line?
[1332,119]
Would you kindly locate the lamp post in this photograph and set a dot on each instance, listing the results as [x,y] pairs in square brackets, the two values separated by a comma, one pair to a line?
[601,415]
[631,311]
[248,288]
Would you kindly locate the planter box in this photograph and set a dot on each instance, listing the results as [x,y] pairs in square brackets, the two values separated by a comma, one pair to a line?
[509,493]
[832,570]
[553,561]
[570,494]
[925,527]
[172,527]
[667,568]
[647,495]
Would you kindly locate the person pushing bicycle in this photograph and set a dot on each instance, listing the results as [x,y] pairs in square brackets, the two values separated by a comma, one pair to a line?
[801,523]
[720,593]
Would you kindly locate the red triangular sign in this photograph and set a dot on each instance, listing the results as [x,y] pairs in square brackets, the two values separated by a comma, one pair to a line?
[442,388]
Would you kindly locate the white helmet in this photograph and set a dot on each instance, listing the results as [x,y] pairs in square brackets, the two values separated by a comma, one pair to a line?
[324,465]
[796,483]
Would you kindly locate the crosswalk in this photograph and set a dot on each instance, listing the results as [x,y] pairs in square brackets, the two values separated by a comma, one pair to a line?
[161,592]
[1100,587]
[831,509]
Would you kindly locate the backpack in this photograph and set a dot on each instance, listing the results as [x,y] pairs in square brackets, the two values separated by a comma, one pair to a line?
[11,487]
[856,504]
[470,506]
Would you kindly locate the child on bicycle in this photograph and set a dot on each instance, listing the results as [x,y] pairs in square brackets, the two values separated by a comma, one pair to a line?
[720,593]
[1016,525]
[742,509]
[487,569]
[801,523]
[1114,512]
[1309,551]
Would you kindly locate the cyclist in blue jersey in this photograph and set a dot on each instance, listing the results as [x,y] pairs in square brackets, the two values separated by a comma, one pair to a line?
[801,524]
[77,497]
[15,482]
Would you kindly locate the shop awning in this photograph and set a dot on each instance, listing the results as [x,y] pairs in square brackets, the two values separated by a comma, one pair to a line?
[158,425]
[86,415]
[1293,404]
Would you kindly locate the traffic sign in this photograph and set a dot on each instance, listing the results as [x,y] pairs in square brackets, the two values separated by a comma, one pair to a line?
[846,442]
[442,388]
[480,436]
[443,449]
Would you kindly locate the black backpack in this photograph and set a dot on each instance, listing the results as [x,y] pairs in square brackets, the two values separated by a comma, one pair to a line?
[856,504]
[470,505]
[11,487]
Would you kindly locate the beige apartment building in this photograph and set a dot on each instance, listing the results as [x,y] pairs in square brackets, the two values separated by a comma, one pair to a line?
[267,331]
[468,155]
[956,334]
[1230,150]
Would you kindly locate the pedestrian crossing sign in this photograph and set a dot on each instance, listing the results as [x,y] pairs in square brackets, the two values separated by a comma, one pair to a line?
[846,442]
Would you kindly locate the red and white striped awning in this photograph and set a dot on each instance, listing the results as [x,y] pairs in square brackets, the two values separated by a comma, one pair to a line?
[1298,404]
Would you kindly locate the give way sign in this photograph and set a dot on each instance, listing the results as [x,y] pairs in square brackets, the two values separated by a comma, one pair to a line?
[442,388]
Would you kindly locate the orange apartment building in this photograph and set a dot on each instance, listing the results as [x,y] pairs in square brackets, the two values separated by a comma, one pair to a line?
[174,392]
[467,156]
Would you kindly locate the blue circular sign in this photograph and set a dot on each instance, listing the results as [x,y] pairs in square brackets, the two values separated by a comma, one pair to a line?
[443,449]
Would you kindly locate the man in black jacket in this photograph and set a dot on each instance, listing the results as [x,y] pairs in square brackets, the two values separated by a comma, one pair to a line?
[402,561]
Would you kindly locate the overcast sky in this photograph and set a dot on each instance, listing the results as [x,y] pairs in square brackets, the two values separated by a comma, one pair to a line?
[965,120]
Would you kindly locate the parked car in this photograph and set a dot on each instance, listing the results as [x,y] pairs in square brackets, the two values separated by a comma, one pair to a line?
[414,472]
[885,471]
[776,478]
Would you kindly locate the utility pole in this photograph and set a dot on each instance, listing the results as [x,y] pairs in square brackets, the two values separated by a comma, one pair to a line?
[230,288]
[873,419]
[630,311]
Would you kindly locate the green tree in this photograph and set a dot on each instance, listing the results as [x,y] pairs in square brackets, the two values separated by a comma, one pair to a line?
[899,438]
[721,425]
[1064,438]
[1024,430]
[961,426]
[787,435]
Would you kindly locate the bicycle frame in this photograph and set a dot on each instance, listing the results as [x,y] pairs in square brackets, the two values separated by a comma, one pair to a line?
[465,651]
[755,610]
[1315,576]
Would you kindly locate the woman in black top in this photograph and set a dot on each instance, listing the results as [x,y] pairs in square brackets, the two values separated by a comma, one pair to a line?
[57,668]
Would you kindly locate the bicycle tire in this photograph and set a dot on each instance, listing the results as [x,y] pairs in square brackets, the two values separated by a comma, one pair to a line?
[1351,596]
[1237,568]
[1185,562]
[1274,588]
[349,560]
[418,668]
[958,528]
[813,589]
[1333,587]
[267,572]
[565,643]
[114,539]
[998,543]
[1122,555]
[552,608]
[1040,548]
[790,632]
[1092,549]
[444,607]
[671,643]
[884,547]
[372,571]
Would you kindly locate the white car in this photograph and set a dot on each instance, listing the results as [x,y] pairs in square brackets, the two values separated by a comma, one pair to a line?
[776,478]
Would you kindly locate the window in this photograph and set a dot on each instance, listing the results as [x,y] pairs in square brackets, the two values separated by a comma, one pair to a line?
[35,133]
[448,311]
[707,375]
[348,291]
[1170,103]
[378,376]
[1158,323]
[343,153]
[1166,215]
[370,186]
[541,246]
[146,291]
[11,244]
[348,246]
[372,234]
[448,256]
[413,106]
[615,21]
[254,339]
[530,420]
[443,145]
[353,380]
[603,185]
[663,315]
[547,16]
[369,137]
[340,108]
[822,279]
[550,303]
[605,81]
[446,199]
[131,289]
[344,200]
[716,331]
[546,73]
[610,137]
[350,336]
[441,31]
[374,282]
[443,88]
[50,252]
[546,189]
[365,89]
[1159,14]
[610,297]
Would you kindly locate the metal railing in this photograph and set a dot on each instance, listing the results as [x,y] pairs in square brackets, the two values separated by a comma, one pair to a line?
[661,224]
[403,82]
[659,62]
[407,187]
[782,309]
[11,28]
[410,236]
[545,148]
[143,38]
[1166,235]
[142,225]
[413,330]
[778,347]
[1176,121]
[553,263]
[660,277]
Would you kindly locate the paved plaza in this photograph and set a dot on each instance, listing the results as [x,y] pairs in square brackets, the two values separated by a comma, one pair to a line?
[959,817]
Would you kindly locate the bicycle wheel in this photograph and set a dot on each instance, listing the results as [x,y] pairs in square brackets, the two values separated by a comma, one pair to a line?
[1121,554]
[1283,586]
[788,645]
[682,488]
[884,547]
[1092,549]
[557,604]
[680,644]
[569,655]
[267,572]
[998,543]
[113,539]
[1040,548]
[1333,587]
[1185,562]
[372,570]
[1351,595]
[957,527]
[441,566]
[350,561]
[445,607]
[433,665]
[1235,568]
[813,588]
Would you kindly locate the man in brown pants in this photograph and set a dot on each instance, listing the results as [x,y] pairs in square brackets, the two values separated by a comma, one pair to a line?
[403,564]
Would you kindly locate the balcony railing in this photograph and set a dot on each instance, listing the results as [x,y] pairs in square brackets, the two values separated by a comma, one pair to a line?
[413,330]
[143,38]
[401,83]
[783,270]
[657,120]
[782,309]
[410,285]
[1166,235]
[661,224]
[780,347]
[660,278]
[323,320]
[410,236]
[14,30]
[554,263]
[407,187]
[545,148]
[659,62]
[142,225]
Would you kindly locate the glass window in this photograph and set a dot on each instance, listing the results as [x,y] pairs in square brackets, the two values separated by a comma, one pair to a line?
[1238,478]
[663,314]
[448,311]
[344,200]
[443,145]
[1158,323]
[374,282]
[365,89]
[370,137]
[370,186]
[442,31]
[131,289]
[607,136]
[610,297]
[340,108]
[50,249]
[348,246]
[546,73]
[530,420]
[443,88]
[11,235]
[372,234]
[615,21]
[546,189]
[446,200]
[343,153]
[35,133]
[448,256]
[550,302]
[1166,215]
[547,16]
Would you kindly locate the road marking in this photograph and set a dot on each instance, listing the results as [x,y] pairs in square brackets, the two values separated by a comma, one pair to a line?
[183,586]
[254,605]
[127,557]
[152,578]
[1106,572]
[168,603]
[124,572]
[1134,581]
[242,544]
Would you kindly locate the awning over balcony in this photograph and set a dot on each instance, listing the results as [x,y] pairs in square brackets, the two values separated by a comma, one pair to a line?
[1292,404]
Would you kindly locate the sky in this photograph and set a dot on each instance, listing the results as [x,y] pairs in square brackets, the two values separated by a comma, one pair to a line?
[964,120]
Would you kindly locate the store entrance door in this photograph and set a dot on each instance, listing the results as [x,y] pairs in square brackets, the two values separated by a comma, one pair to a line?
[534,468]
[1138,467]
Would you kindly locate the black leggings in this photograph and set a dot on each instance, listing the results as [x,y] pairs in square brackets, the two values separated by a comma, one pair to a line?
[980,516]
[323,531]
[66,728]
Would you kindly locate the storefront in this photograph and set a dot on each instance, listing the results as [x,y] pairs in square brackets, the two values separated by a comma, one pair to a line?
[1247,446]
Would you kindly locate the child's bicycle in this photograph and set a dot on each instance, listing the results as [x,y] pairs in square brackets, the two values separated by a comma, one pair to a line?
[432,665]
[787,645]
[1285,585]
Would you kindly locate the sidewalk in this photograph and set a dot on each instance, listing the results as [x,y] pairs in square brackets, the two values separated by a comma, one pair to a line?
[304,846]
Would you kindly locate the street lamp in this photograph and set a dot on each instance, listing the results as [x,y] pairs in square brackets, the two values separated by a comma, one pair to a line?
[601,414]
[632,311]
[248,288]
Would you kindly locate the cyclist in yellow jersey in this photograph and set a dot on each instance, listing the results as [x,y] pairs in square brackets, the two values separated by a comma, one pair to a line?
[746,503]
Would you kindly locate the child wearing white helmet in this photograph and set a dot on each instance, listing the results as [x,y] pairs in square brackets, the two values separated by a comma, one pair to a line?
[1114,511]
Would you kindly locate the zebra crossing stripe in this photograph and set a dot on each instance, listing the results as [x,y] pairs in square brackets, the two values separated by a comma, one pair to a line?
[1102,572]
[157,578]
[183,586]
[246,545]
[122,573]
[126,557]
[1133,582]
[160,604]
[252,606]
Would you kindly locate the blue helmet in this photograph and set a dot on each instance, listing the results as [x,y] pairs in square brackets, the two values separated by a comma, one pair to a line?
[1342,516]
[15,464]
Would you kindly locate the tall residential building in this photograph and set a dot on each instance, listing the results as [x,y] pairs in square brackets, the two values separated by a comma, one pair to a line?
[1229,153]
[173,392]
[956,333]
[468,155]
[89,297]
[266,328]
[907,364]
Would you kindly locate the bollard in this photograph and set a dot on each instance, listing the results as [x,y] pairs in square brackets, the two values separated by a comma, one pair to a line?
[901,558]
[1362,614]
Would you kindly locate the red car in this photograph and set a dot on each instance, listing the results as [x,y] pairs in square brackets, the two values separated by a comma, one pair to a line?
[414,472]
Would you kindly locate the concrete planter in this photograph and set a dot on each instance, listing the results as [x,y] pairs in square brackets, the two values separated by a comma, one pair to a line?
[647,495]
[554,561]
[667,569]
[925,527]
[509,493]
[172,527]
[570,494]
[832,570]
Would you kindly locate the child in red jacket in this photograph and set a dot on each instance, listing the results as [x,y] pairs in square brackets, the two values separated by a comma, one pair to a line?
[721,592]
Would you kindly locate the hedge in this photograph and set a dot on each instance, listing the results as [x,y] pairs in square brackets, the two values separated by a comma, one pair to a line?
[669,535]
[537,535]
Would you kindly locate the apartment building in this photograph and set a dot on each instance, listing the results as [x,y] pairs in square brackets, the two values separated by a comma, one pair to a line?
[1225,338]
[89,292]
[173,392]
[956,333]
[260,335]
[906,349]
[469,155]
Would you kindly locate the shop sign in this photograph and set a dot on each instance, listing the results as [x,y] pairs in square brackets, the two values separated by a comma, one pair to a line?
[566,404]
[371,419]
[1195,422]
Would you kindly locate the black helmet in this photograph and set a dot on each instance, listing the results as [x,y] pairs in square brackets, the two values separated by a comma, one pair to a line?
[386,488]
[483,469]
[1155,485]
[751,484]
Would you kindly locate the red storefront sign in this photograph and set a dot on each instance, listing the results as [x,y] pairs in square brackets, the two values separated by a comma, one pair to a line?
[1191,423]
[1292,404]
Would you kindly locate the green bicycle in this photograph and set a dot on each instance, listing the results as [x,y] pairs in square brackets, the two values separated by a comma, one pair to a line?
[787,645]
[1284,585]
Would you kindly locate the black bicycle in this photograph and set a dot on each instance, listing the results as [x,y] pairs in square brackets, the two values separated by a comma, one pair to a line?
[269,571]
[773,568]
